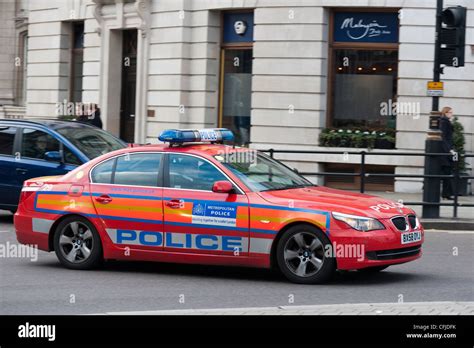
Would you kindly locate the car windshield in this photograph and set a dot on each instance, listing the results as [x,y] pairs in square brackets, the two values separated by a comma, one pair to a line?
[260,172]
[93,142]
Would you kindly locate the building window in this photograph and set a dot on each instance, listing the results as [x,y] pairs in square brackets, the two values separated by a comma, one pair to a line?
[236,74]
[77,61]
[22,68]
[363,70]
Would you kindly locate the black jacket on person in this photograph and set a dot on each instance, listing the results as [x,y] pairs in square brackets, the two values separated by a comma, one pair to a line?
[446,128]
[94,119]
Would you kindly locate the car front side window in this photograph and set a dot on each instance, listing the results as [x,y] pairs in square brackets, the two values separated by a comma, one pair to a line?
[192,173]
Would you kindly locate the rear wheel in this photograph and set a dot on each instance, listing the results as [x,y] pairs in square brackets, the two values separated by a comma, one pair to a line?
[301,255]
[77,243]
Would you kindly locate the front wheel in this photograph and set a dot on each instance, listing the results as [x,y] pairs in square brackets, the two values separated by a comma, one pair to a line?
[77,243]
[302,257]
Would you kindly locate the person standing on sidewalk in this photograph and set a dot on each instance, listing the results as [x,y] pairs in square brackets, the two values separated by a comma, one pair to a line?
[94,116]
[446,128]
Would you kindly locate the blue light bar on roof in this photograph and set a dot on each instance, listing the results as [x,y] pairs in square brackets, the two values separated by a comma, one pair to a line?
[196,135]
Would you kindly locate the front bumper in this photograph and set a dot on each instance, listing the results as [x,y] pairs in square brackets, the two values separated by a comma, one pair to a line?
[375,248]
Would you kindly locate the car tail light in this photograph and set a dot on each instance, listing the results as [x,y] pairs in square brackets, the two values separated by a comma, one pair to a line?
[29,189]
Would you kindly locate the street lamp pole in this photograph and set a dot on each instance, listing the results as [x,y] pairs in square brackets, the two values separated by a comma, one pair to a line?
[431,186]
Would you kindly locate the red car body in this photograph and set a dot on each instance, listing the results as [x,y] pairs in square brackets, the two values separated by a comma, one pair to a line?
[159,223]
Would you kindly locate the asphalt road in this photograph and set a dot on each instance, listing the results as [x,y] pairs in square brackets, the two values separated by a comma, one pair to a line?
[45,287]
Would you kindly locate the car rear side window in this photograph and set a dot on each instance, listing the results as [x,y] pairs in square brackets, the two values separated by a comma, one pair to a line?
[102,173]
[7,139]
[192,173]
[36,143]
[137,169]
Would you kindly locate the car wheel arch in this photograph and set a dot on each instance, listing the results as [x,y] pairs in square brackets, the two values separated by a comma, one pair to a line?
[273,258]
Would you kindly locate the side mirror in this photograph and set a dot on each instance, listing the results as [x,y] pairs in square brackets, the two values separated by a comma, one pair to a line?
[53,156]
[222,187]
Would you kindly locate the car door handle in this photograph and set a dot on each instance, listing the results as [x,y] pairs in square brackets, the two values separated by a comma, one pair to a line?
[21,171]
[175,203]
[103,199]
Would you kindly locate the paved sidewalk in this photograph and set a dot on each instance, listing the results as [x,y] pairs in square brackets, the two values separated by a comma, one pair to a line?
[407,308]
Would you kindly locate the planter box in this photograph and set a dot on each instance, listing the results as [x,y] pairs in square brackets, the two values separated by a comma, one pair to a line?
[384,144]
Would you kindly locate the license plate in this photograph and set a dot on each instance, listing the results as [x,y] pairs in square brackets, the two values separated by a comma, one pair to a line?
[411,237]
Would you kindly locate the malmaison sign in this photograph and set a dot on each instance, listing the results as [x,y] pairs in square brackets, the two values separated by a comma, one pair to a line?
[377,27]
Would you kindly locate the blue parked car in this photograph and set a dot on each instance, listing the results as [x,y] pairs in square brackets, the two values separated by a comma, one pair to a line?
[30,149]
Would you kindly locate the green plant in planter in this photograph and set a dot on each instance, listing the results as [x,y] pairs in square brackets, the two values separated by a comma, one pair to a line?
[327,137]
[346,137]
[66,117]
[370,138]
[357,139]
[323,138]
[458,143]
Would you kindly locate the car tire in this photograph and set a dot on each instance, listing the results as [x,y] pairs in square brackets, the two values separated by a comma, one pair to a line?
[301,255]
[78,233]
[373,269]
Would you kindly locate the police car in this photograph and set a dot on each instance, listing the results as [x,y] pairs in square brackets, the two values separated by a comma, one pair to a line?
[195,200]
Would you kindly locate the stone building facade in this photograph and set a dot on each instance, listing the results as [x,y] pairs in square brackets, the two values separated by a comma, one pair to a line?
[279,82]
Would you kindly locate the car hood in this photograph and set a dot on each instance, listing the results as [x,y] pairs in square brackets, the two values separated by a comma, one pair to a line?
[332,200]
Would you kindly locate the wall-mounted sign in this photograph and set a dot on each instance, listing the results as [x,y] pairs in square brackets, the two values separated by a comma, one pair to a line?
[238,27]
[435,89]
[379,27]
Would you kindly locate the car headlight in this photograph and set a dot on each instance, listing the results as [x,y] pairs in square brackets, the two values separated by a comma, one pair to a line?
[359,223]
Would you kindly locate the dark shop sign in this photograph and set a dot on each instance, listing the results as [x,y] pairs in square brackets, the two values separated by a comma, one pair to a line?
[378,27]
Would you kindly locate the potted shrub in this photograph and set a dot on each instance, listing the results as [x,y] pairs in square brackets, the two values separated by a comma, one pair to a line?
[458,145]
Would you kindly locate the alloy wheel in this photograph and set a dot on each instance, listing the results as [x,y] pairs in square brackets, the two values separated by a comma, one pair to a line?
[304,254]
[76,242]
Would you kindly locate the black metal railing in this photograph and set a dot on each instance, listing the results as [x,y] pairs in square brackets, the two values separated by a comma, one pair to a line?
[363,174]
